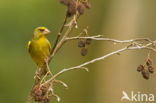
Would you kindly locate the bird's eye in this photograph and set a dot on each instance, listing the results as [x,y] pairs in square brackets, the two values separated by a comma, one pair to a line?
[41,30]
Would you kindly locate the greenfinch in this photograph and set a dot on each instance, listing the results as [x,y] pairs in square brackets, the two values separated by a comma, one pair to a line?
[39,46]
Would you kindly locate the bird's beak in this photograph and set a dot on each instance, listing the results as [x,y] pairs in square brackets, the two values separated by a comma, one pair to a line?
[46,31]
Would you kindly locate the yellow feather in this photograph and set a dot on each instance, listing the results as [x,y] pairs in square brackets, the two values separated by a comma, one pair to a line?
[39,48]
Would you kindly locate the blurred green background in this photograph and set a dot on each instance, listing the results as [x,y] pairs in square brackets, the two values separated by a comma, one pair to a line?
[120,19]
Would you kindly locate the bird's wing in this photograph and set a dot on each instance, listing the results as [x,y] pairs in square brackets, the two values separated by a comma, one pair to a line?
[49,45]
[28,46]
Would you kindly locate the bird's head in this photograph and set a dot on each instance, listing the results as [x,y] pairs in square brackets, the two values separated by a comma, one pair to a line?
[40,32]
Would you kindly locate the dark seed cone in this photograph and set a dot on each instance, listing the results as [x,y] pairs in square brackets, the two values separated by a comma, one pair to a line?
[84,51]
[145,74]
[36,90]
[149,62]
[46,99]
[88,41]
[81,43]
[37,93]
[140,68]
[44,89]
[81,9]
[71,8]
[38,98]
[151,69]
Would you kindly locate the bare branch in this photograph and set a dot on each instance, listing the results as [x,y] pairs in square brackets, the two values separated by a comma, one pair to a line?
[100,38]
[59,34]
[100,58]
[65,36]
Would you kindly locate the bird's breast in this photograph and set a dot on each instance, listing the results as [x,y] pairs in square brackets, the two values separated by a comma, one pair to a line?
[39,50]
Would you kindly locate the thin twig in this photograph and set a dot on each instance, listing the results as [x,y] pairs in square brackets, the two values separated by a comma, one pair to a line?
[65,36]
[100,38]
[98,59]
[59,34]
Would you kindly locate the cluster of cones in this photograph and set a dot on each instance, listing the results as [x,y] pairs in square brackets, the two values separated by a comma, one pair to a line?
[74,5]
[83,45]
[146,69]
[39,94]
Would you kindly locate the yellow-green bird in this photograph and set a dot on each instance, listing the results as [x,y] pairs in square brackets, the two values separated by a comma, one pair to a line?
[39,47]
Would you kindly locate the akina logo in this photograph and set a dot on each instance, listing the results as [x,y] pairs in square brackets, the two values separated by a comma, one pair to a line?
[137,97]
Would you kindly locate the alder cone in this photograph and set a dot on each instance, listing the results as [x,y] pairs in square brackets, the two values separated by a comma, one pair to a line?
[145,74]
[84,51]
[81,9]
[88,41]
[46,99]
[140,68]
[71,8]
[151,69]
[81,44]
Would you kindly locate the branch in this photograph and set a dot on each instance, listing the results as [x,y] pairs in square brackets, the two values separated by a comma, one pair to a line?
[59,34]
[100,38]
[71,26]
[98,59]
